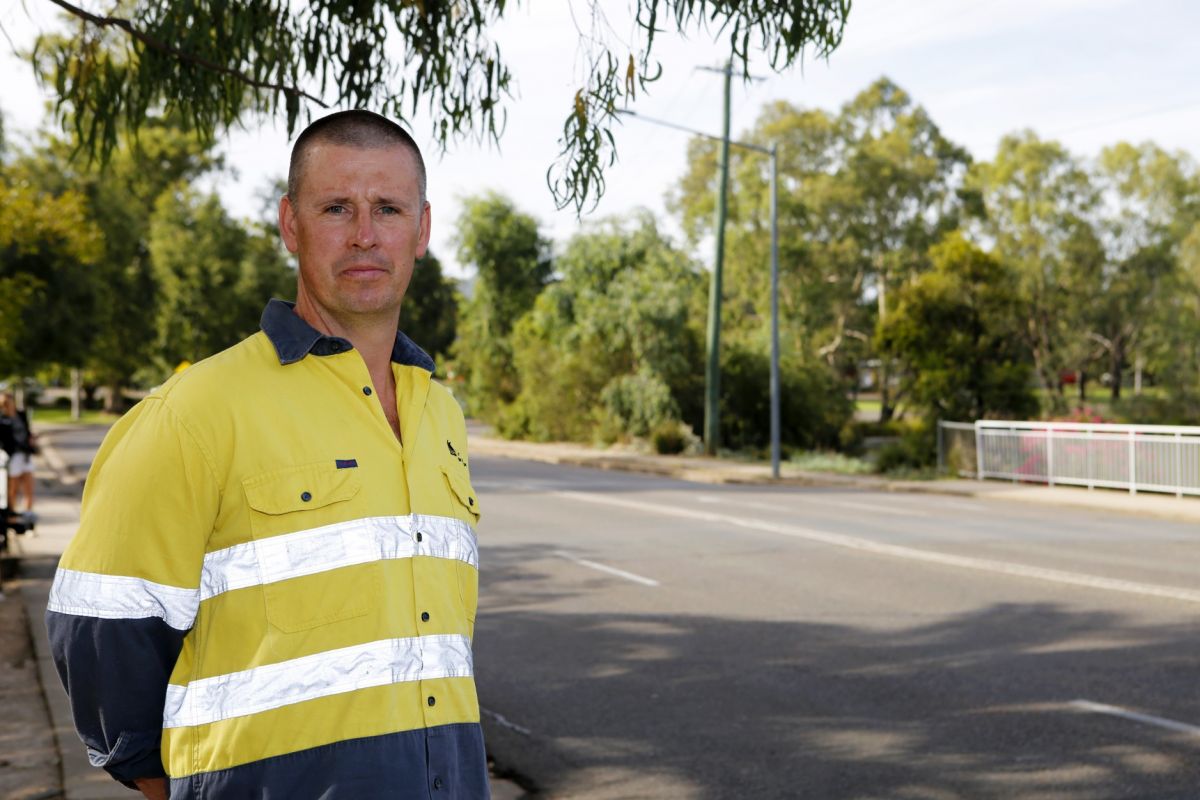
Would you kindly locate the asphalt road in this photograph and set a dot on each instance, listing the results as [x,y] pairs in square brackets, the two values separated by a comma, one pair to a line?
[647,638]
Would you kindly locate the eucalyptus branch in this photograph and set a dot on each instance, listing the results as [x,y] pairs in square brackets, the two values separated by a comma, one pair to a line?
[182,55]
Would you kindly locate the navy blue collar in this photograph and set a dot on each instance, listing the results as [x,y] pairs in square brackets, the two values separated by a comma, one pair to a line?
[294,338]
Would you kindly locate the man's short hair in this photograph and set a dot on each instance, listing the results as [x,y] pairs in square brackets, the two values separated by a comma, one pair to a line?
[354,128]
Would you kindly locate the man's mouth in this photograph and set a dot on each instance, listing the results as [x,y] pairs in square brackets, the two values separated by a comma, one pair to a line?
[363,271]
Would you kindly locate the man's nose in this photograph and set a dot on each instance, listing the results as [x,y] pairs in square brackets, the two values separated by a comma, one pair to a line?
[364,231]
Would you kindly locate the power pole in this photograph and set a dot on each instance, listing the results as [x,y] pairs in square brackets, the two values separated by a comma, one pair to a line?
[712,371]
[773,152]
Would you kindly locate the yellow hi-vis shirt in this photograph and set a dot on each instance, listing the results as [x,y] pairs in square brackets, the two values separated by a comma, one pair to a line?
[274,590]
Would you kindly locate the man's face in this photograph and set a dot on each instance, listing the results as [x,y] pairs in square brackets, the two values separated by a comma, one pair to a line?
[357,225]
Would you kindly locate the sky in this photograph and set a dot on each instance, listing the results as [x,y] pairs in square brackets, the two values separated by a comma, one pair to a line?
[1086,72]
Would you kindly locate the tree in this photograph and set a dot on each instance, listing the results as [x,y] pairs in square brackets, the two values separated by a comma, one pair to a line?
[120,199]
[1038,200]
[955,329]
[614,347]
[213,276]
[903,177]
[864,193]
[430,312]
[215,64]
[48,250]
[512,264]
[1152,199]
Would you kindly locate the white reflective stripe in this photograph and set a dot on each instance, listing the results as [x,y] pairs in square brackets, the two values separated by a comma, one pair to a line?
[347,669]
[342,544]
[89,594]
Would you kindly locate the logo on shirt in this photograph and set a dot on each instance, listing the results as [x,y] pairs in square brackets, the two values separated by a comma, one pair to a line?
[454,453]
[345,463]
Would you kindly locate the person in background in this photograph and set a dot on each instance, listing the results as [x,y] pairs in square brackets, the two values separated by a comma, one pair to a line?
[18,440]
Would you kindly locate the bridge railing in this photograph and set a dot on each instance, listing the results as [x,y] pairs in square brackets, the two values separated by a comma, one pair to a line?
[1139,458]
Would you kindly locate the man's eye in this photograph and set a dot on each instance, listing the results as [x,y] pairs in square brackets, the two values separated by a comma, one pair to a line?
[335,209]
[388,210]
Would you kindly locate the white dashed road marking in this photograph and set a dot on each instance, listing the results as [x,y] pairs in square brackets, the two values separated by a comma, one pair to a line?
[620,573]
[1124,713]
[502,720]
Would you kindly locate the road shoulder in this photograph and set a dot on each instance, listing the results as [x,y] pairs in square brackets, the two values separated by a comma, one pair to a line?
[721,471]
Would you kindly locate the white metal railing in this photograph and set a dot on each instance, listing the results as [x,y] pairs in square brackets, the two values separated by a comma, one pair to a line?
[1139,458]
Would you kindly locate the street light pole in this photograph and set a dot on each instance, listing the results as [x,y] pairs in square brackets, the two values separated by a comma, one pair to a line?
[775,433]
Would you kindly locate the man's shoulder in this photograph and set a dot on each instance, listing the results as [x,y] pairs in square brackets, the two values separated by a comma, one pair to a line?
[444,397]
[199,399]
[220,375]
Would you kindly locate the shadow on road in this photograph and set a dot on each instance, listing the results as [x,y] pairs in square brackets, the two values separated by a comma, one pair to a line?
[709,707]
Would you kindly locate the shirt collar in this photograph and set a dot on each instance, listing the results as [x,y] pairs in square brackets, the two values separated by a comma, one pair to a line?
[293,339]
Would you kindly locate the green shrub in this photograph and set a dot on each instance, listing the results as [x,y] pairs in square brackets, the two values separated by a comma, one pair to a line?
[671,438]
[813,404]
[641,402]
[916,450]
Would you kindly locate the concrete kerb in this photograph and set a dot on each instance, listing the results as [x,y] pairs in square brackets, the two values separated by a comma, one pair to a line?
[715,471]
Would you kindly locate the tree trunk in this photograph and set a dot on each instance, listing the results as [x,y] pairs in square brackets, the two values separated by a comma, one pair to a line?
[1139,364]
[115,402]
[885,395]
[1114,369]
[1081,377]
[76,393]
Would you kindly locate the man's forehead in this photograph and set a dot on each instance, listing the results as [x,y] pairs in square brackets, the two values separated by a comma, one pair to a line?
[329,164]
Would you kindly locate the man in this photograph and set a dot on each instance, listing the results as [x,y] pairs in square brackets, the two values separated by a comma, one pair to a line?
[273,586]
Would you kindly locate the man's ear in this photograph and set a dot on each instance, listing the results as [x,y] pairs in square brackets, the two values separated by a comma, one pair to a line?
[287,224]
[426,226]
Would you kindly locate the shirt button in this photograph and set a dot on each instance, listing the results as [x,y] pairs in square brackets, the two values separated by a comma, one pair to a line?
[424,616]
[418,536]
[367,391]
[437,783]
[306,496]
[430,700]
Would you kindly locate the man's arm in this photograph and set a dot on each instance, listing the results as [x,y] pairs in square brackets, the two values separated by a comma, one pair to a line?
[127,589]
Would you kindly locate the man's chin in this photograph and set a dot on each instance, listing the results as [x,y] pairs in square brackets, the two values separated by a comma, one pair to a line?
[370,305]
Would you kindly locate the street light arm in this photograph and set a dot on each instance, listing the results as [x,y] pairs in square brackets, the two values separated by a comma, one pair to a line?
[694,132]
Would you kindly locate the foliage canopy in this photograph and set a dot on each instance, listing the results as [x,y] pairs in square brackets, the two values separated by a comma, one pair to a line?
[214,63]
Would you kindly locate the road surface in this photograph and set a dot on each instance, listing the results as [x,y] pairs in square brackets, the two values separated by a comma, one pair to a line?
[645,638]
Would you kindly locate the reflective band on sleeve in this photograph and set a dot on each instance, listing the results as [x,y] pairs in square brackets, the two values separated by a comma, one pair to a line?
[343,544]
[89,594]
[347,669]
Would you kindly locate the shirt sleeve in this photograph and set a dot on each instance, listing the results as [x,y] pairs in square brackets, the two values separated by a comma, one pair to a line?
[128,587]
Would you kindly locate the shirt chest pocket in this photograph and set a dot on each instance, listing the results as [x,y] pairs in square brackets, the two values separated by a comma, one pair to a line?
[317,563]
[464,503]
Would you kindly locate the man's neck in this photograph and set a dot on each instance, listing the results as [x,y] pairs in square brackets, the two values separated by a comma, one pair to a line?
[374,338]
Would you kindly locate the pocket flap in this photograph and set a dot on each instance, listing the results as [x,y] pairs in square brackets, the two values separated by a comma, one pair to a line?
[300,489]
[462,489]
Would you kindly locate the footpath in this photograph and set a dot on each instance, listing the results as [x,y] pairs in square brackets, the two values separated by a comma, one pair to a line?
[41,757]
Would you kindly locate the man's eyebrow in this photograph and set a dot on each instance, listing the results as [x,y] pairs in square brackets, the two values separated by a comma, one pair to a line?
[344,200]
